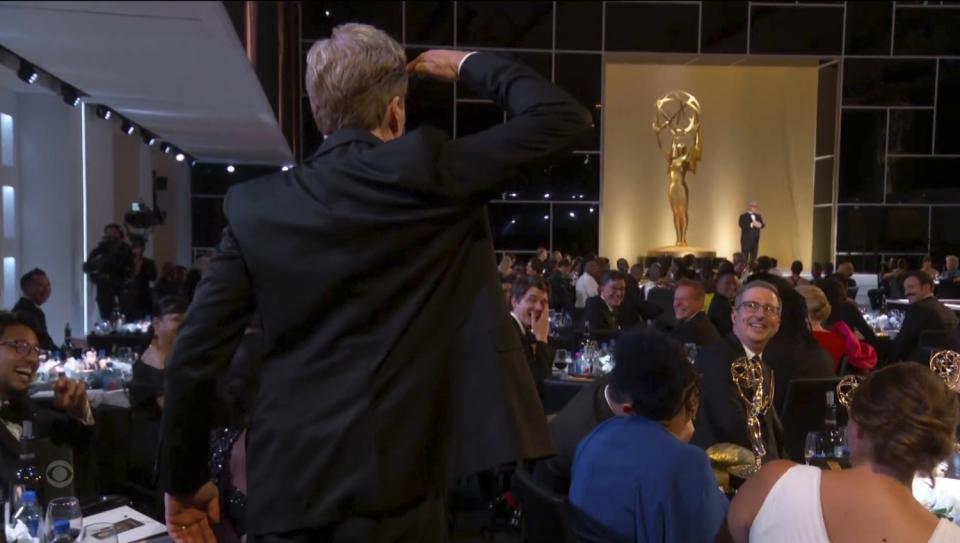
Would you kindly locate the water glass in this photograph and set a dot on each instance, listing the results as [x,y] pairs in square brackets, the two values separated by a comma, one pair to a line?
[63,508]
[103,532]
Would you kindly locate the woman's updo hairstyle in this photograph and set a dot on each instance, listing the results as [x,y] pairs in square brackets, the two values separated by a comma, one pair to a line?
[910,415]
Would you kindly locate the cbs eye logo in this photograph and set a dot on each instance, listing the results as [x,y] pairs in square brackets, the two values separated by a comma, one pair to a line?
[59,474]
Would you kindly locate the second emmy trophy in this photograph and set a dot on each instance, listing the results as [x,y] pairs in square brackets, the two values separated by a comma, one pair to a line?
[757,396]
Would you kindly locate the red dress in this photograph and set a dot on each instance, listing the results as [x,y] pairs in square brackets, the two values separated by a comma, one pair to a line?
[833,343]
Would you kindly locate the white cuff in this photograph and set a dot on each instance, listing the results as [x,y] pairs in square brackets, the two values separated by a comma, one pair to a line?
[459,66]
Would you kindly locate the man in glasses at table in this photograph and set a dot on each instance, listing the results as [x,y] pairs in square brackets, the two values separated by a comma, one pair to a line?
[722,415]
[70,421]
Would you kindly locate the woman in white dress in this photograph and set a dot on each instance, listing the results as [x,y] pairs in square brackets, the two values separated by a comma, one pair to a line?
[903,420]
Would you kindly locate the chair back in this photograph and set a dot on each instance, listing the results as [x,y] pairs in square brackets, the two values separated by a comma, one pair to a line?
[804,410]
[662,297]
[56,464]
[544,512]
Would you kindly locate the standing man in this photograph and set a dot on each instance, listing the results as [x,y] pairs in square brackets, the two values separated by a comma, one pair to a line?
[750,225]
[36,290]
[401,367]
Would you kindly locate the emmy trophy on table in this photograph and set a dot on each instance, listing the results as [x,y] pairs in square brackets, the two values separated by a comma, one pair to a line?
[757,396]
[946,364]
[677,120]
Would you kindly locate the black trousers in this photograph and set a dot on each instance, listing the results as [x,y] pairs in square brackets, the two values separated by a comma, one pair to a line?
[749,249]
[425,523]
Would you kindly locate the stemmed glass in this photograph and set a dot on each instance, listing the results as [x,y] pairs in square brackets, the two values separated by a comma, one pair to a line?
[814,446]
[561,360]
[63,509]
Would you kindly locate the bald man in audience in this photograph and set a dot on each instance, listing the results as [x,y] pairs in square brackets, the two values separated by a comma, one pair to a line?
[693,325]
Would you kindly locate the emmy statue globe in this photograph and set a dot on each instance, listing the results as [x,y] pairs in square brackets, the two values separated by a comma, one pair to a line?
[677,127]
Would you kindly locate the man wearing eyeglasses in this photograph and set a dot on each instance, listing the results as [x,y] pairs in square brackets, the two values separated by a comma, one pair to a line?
[722,414]
[71,420]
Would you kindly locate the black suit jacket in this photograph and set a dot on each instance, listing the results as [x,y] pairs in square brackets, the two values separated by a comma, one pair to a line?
[722,414]
[35,314]
[390,360]
[697,329]
[575,421]
[719,313]
[602,322]
[926,315]
[562,295]
[47,423]
[539,355]
[747,233]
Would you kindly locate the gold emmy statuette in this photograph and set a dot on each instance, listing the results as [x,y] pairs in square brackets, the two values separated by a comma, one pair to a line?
[946,364]
[757,396]
[845,389]
[678,116]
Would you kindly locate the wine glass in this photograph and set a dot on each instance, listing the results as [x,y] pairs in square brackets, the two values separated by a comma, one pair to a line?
[102,532]
[63,509]
[561,360]
[813,446]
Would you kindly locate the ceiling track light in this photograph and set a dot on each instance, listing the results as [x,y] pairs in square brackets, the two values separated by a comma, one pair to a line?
[165,148]
[70,95]
[180,156]
[127,127]
[148,137]
[27,73]
[104,113]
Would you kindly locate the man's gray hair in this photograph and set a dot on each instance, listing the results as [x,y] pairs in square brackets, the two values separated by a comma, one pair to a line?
[756,284]
[352,75]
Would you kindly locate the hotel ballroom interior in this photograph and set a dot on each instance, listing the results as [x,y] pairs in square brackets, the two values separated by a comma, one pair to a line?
[543,272]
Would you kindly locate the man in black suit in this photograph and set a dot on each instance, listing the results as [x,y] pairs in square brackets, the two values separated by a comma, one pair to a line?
[530,312]
[722,304]
[750,225]
[693,325]
[561,290]
[71,420]
[722,414]
[925,314]
[600,314]
[35,286]
[400,367]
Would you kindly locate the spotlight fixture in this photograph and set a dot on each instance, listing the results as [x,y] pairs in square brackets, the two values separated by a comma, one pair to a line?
[547,195]
[27,72]
[165,148]
[285,168]
[70,95]
[148,137]
[104,113]
[180,157]
[231,169]
[193,162]
[127,128]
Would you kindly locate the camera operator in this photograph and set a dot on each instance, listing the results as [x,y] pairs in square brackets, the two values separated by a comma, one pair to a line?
[110,266]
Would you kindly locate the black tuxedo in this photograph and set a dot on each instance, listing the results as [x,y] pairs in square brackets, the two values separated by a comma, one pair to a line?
[47,423]
[722,414]
[697,329]
[602,321]
[750,237]
[573,423]
[562,295]
[720,314]
[926,315]
[396,367]
[539,355]
[33,312]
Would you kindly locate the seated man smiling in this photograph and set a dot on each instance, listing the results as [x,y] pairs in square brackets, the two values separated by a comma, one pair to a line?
[635,477]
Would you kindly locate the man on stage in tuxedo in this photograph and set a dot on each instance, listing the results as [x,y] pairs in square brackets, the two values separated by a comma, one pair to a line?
[750,225]
[398,368]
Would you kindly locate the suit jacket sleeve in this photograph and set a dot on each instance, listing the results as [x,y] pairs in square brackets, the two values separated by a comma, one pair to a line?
[760,220]
[544,119]
[62,428]
[745,222]
[908,337]
[206,341]
[721,416]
